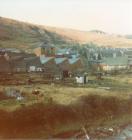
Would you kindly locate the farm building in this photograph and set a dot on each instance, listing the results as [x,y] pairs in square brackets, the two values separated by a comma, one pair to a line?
[4,65]
[63,65]
[95,65]
[14,55]
[76,65]
[33,64]
[18,65]
[48,64]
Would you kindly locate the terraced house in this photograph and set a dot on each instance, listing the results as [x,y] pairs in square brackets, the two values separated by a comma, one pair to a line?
[112,64]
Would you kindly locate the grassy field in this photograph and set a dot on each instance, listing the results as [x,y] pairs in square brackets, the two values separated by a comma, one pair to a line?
[61,111]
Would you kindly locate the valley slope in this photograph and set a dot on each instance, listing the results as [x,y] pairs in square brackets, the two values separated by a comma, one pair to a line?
[25,36]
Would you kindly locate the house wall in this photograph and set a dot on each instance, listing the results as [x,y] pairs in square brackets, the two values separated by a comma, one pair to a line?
[115,67]
[18,66]
[50,67]
[39,51]
[34,65]
[64,66]
[49,51]
[77,66]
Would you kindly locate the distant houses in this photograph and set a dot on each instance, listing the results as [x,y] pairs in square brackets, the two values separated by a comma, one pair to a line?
[113,64]
[62,61]
[68,60]
[129,55]
[65,61]
[45,60]
[110,64]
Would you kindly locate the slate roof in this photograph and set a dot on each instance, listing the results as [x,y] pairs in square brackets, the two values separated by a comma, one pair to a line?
[115,61]
[33,61]
[63,51]
[73,60]
[60,60]
[44,59]
[46,45]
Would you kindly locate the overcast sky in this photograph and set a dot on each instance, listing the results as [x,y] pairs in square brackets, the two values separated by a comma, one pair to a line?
[113,16]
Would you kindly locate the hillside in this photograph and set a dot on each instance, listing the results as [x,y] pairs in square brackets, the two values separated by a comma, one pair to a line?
[16,34]
[95,36]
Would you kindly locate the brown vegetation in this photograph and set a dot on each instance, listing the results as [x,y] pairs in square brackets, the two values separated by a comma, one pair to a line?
[48,120]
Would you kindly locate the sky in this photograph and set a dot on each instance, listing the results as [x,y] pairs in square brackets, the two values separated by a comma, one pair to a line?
[112,16]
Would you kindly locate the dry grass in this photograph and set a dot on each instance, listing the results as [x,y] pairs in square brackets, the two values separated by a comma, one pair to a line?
[22,35]
[97,38]
[120,87]
[60,94]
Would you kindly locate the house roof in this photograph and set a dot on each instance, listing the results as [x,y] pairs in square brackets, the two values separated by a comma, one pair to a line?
[73,60]
[10,50]
[60,60]
[116,61]
[63,51]
[15,56]
[46,45]
[35,61]
[75,55]
[44,59]
[30,59]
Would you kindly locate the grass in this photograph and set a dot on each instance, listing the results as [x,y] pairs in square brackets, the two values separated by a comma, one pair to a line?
[72,107]
[120,86]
